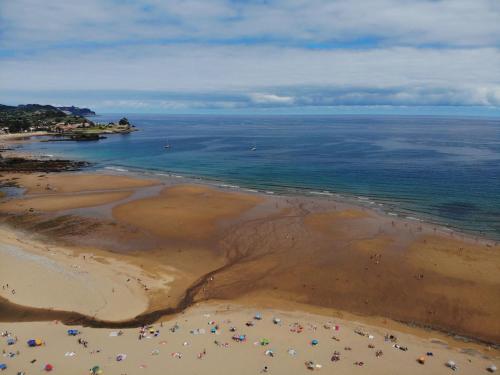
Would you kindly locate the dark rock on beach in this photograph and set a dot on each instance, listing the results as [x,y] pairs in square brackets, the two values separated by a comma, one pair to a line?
[22,165]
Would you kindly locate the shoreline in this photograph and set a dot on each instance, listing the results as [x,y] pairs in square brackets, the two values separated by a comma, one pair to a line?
[380,206]
[288,192]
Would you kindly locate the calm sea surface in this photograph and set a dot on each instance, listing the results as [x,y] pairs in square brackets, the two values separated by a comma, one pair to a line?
[445,170]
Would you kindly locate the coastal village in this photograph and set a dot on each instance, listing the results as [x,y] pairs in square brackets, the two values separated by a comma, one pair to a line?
[64,122]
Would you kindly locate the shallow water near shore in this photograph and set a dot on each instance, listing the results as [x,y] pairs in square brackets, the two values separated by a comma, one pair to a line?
[438,169]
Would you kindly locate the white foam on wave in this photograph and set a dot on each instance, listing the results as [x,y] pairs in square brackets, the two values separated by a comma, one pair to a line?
[251,190]
[269,192]
[118,169]
[229,186]
[324,192]
[392,214]
[413,218]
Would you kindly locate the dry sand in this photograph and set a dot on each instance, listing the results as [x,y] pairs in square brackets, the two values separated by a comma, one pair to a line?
[160,354]
[46,276]
[8,138]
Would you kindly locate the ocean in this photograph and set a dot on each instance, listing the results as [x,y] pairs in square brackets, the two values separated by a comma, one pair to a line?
[443,170]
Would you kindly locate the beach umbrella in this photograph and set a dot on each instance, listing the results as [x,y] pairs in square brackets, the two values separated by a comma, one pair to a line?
[451,365]
[264,342]
[96,370]
[313,366]
[3,366]
[73,332]
[314,342]
[48,367]
[11,341]
[239,338]
[35,342]
[269,353]
[491,368]
[258,316]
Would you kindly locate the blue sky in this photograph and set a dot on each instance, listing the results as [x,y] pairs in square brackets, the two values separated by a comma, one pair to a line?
[274,56]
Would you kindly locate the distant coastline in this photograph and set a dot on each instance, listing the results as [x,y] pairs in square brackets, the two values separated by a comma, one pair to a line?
[62,123]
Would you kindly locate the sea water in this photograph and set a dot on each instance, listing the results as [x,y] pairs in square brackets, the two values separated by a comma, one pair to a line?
[439,169]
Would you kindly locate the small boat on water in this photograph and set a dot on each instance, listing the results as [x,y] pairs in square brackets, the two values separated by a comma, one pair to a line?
[253,148]
[167,146]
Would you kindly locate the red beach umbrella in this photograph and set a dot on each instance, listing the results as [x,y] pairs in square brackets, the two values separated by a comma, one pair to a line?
[48,367]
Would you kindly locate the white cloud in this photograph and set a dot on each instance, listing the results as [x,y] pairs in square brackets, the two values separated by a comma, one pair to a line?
[204,68]
[261,98]
[397,22]
[255,52]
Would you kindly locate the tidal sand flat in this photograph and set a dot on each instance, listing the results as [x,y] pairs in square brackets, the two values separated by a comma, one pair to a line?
[217,244]
[57,203]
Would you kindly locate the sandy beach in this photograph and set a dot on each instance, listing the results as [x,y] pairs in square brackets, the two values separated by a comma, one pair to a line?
[57,278]
[112,250]
[8,138]
[206,340]
[263,187]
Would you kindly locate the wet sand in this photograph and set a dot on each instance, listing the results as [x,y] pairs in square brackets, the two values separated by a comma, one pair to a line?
[313,251]
[60,202]
[185,212]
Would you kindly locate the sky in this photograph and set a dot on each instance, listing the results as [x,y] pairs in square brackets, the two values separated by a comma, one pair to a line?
[253,56]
